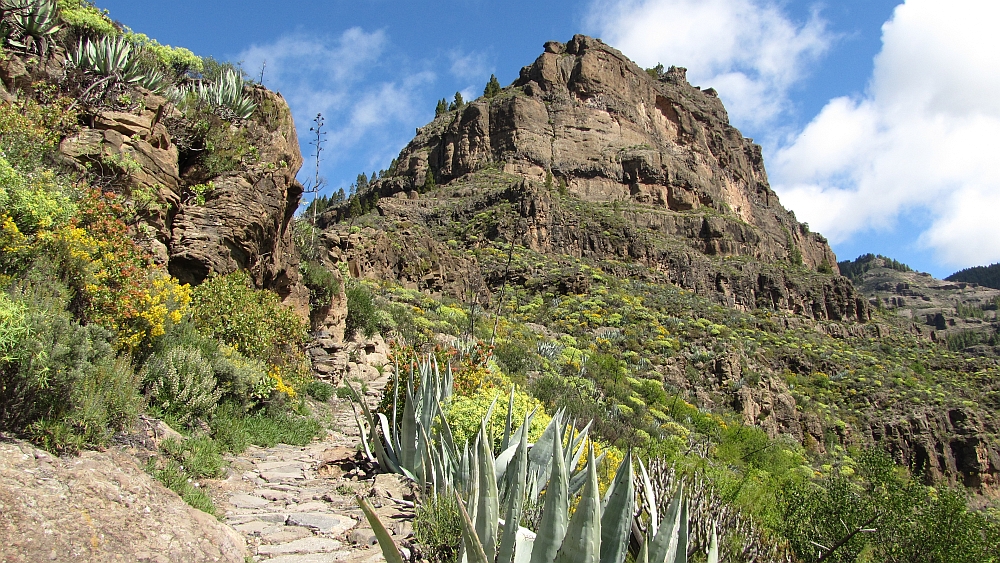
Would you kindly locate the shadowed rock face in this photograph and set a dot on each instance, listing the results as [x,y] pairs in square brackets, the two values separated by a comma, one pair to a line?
[245,222]
[608,131]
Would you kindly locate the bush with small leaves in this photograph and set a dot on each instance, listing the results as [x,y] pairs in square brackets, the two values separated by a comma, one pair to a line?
[253,321]
[362,315]
[182,385]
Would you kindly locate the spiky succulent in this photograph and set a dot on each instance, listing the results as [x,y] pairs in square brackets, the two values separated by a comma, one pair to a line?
[29,25]
[597,532]
[114,60]
[228,93]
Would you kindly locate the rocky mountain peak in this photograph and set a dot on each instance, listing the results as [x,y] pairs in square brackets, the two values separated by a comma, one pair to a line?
[586,118]
[588,155]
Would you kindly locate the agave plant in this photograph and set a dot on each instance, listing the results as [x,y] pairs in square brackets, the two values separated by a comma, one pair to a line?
[417,441]
[401,445]
[597,532]
[115,61]
[227,92]
[29,24]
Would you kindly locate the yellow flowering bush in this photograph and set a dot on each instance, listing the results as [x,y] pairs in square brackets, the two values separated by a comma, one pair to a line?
[279,382]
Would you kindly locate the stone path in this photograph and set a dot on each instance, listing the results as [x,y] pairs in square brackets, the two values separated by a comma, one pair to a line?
[296,504]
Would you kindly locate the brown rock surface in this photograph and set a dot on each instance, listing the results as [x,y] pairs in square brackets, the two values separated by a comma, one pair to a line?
[100,506]
[588,155]
[609,131]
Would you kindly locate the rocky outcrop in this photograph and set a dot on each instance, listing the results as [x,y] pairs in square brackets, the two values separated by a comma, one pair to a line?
[964,313]
[244,221]
[98,507]
[586,118]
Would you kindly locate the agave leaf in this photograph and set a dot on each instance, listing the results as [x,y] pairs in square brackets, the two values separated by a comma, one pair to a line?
[488,501]
[616,522]
[389,549]
[713,546]
[643,556]
[681,554]
[524,544]
[583,536]
[664,546]
[505,443]
[408,432]
[392,450]
[577,481]
[473,548]
[426,471]
[555,510]
[649,500]
[517,478]
[364,435]
[488,419]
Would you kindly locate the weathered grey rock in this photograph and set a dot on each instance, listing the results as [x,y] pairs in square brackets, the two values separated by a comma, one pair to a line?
[284,534]
[325,523]
[312,557]
[248,501]
[98,506]
[304,545]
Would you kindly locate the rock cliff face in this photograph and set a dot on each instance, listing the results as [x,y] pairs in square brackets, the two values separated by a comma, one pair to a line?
[588,155]
[245,219]
[608,131]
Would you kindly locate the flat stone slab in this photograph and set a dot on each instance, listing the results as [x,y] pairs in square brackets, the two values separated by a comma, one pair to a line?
[272,494]
[312,557]
[311,506]
[247,501]
[279,476]
[273,465]
[325,523]
[256,527]
[285,534]
[277,518]
[304,545]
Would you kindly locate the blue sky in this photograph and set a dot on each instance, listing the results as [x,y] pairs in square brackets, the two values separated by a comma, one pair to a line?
[879,120]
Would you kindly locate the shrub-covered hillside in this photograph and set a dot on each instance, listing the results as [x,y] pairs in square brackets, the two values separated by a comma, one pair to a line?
[794,423]
[94,328]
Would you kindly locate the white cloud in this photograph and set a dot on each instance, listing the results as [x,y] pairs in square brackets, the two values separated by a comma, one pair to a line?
[925,137]
[339,77]
[468,66]
[748,50]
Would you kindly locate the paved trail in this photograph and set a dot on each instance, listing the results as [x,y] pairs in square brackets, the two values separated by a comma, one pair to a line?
[296,504]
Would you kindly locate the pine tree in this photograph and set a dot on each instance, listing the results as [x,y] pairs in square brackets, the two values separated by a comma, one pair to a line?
[458,103]
[492,87]
[429,183]
[442,107]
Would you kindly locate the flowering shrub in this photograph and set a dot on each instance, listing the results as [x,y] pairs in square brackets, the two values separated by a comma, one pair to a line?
[253,321]
[123,290]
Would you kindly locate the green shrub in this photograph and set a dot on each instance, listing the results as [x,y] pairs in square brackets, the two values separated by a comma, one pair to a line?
[178,60]
[362,315]
[438,528]
[319,390]
[243,381]
[29,131]
[35,201]
[200,456]
[172,475]
[182,384]
[514,357]
[253,321]
[86,19]
[61,383]
[465,412]
[322,283]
